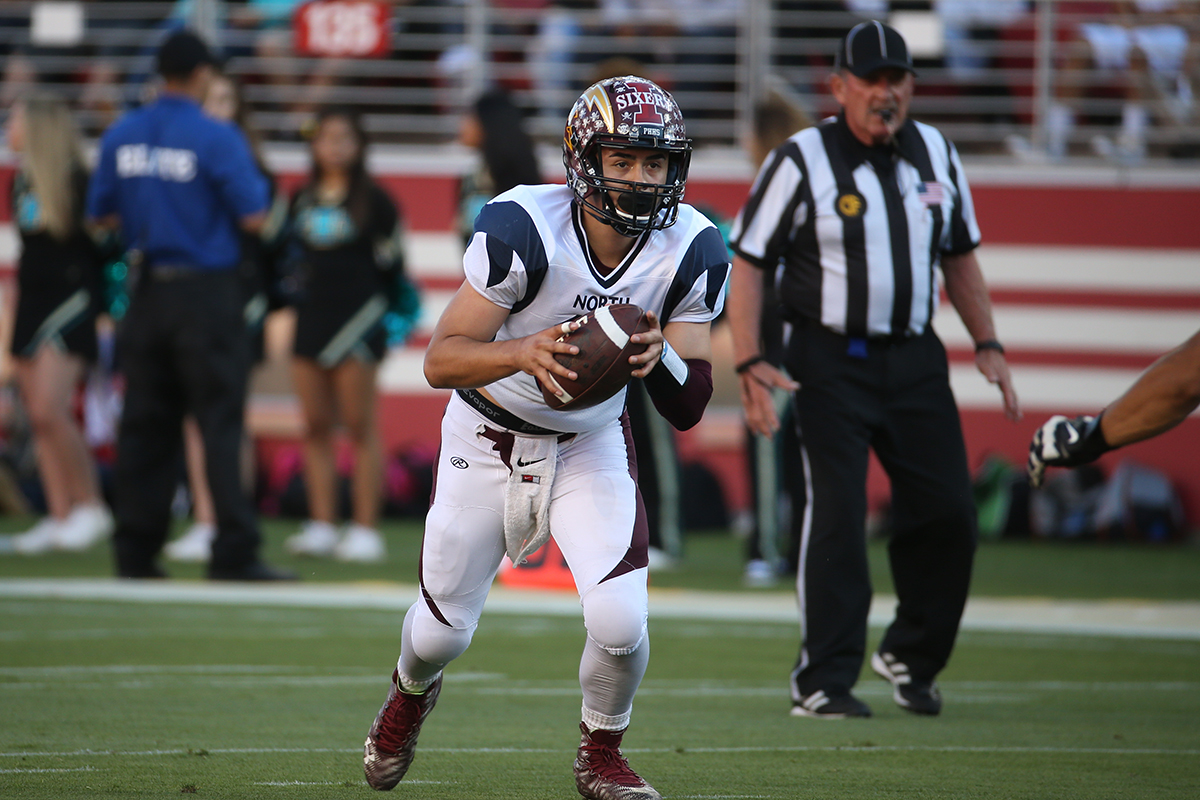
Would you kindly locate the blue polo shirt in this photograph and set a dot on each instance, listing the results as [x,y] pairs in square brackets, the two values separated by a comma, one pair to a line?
[180,181]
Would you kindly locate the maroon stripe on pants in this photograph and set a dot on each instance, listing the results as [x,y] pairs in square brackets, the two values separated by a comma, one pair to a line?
[437,612]
[638,554]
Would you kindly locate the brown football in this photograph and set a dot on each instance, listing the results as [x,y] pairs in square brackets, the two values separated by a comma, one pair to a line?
[602,363]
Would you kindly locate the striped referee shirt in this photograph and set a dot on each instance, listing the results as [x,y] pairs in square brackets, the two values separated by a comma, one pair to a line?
[859,230]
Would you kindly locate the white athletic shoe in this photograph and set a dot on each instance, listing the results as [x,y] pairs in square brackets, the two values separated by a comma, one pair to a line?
[85,526]
[360,543]
[659,560]
[314,539]
[41,538]
[195,545]
[759,574]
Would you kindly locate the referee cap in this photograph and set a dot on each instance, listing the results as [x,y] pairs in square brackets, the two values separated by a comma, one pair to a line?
[181,53]
[872,45]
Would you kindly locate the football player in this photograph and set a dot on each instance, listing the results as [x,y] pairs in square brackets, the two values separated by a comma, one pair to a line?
[511,470]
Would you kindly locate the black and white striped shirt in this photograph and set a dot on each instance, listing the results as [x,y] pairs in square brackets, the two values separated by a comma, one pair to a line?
[859,230]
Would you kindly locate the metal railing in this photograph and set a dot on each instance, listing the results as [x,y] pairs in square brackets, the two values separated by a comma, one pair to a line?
[996,77]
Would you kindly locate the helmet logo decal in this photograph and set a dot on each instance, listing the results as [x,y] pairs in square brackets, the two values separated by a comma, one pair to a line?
[642,107]
[596,99]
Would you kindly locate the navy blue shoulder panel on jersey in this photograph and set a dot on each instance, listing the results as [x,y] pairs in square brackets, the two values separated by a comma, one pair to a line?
[509,229]
[706,255]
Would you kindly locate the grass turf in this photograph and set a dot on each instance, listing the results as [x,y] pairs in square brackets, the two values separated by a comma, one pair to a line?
[112,700]
[121,700]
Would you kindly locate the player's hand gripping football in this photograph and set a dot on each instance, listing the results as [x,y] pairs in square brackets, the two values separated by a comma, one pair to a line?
[1063,442]
[535,355]
[653,339]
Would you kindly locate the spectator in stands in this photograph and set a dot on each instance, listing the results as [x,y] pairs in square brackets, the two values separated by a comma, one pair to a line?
[20,76]
[277,59]
[348,236]
[972,31]
[553,52]
[495,127]
[224,101]
[1146,47]
[54,335]
[773,460]
[100,100]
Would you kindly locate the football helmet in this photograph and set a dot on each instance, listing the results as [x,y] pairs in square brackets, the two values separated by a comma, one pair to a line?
[626,112]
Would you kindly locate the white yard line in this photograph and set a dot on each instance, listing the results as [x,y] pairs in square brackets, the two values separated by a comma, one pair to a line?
[1120,618]
[985,749]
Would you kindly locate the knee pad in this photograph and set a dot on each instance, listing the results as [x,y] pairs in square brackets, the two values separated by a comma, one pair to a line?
[614,613]
[436,642]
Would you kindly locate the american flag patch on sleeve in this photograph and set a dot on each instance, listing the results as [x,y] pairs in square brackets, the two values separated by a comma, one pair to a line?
[931,194]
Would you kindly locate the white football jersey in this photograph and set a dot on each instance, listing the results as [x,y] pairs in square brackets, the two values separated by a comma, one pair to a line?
[529,254]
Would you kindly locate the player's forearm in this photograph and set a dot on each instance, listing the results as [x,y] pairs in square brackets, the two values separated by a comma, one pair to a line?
[460,362]
[1159,400]
[744,309]
[968,294]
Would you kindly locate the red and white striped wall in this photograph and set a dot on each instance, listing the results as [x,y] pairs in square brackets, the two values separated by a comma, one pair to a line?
[1094,272]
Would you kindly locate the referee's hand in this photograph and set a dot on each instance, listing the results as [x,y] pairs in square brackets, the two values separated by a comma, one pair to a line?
[757,382]
[994,367]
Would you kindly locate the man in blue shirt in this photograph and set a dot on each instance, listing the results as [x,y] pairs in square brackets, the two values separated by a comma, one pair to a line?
[179,186]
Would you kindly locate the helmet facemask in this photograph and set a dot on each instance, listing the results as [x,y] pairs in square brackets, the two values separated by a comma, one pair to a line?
[632,207]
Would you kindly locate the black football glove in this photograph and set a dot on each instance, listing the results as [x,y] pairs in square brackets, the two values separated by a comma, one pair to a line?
[1063,442]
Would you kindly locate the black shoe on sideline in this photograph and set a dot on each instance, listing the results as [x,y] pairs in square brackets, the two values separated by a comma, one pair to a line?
[917,696]
[254,571]
[820,705]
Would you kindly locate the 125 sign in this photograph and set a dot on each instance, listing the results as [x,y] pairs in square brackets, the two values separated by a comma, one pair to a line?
[343,28]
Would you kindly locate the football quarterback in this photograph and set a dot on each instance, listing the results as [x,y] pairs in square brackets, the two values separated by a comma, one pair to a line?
[512,470]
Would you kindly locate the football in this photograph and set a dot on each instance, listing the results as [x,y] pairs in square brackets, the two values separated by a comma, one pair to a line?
[602,363]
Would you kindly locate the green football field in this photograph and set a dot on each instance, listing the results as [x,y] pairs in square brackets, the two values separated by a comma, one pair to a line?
[112,698]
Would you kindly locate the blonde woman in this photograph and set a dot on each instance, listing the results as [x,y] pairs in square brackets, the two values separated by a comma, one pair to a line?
[54,336]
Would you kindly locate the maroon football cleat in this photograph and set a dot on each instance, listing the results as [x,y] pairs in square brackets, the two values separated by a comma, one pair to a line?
[392,740]
[602,773]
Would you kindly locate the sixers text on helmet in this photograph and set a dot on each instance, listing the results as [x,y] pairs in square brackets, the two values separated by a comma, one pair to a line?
[626,112]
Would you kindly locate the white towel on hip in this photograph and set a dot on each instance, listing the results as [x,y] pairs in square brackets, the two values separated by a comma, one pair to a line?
[527,495]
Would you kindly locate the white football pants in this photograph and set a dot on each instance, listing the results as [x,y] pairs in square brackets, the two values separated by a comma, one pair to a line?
[593,516]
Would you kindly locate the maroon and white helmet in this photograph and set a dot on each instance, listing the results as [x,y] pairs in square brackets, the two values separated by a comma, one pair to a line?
[626,112]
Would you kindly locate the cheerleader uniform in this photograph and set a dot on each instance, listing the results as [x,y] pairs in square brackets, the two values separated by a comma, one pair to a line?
[348,276]
[59,281]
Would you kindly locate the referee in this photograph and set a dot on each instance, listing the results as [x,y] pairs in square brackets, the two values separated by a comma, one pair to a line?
[179,185]
[860,211]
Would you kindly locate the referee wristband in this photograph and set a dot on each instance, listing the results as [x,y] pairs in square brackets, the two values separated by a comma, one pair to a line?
[744,367]
[989,344]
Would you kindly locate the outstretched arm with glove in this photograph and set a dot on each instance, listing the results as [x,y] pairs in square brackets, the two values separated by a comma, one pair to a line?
[1159,400]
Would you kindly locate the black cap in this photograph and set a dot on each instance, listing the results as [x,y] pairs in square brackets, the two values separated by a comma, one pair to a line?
[869,46]
[181,54]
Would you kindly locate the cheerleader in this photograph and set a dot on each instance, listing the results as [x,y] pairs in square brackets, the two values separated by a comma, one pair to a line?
[54,335]
[346,237]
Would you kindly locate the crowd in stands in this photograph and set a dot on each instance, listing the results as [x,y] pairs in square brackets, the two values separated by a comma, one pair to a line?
[1121,69]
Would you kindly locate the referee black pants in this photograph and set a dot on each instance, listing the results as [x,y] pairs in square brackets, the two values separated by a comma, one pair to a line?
[183,348]
[893,398]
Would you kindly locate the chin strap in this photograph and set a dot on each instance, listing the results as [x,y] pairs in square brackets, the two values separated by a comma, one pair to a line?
[680,388]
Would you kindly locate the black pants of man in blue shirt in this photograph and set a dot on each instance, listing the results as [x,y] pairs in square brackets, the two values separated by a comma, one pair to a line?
[183,349]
